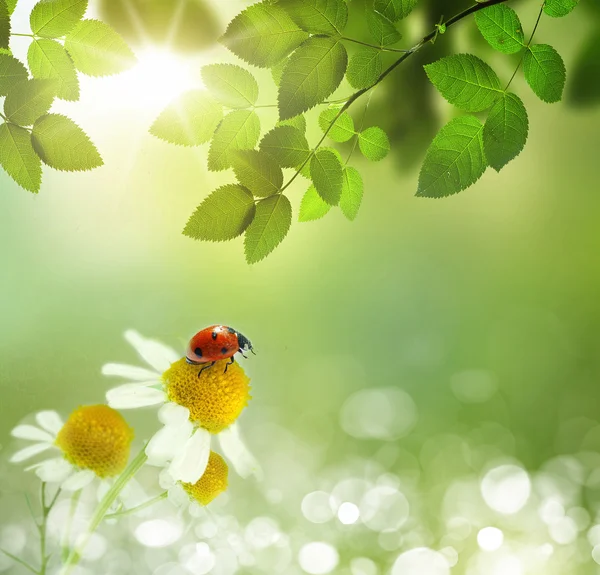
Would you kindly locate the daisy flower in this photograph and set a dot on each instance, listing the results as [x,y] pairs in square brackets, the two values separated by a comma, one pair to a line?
[94,442]
[193,408]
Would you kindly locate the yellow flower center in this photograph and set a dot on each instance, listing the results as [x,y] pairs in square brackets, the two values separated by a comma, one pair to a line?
[215,398]
[212,483]
[96,437]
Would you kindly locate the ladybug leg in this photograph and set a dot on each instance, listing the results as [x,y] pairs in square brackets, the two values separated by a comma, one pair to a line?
[231,360]
[244,356]
[206,367]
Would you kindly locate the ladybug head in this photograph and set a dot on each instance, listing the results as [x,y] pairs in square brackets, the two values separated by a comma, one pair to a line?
[244,343]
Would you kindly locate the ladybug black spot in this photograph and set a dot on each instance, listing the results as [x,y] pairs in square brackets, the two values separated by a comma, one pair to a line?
[198,352]
[224,350]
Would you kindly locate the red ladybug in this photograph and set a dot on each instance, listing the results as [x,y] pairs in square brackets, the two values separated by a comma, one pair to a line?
[214,343]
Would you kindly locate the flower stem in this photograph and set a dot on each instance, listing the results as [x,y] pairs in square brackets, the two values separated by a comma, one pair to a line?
[103,507]
[137,507]
[380,48]
[28,35]
[20,561]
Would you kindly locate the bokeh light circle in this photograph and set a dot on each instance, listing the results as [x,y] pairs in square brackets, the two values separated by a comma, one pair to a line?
[316,508]
[506,489]
[421,561]
[318,558]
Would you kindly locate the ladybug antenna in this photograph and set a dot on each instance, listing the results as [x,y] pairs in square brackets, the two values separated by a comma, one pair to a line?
[252,350]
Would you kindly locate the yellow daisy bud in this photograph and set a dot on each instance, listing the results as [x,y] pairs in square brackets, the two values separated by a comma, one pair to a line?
[212,483]
[96,437]
[215,399]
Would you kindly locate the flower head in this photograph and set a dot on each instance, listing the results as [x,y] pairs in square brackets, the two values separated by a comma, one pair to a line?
[94,442]
[212,483]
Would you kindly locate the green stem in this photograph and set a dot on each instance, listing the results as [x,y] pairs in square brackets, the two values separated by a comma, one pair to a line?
[362,123]
[103,507]
[27,35]
[537,22]
[380,48]
[20,561]
[137,507]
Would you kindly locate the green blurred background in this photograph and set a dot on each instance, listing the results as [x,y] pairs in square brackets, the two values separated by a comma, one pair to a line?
[504,277]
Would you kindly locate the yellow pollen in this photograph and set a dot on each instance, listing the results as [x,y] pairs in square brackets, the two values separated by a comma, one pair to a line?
[215,398]
[212,483]
[96,437]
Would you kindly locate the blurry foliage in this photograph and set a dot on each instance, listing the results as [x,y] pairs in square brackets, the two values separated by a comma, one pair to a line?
[186,26]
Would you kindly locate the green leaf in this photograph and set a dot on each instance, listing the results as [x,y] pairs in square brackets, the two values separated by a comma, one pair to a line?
[312,206]
[63,145]
[55,18]
[29,100]
[364,68]
[258,171]
[18,157]
[545,72]
[501,27]
[584,88]
[327,175]
[277,71]
[342,130]
[48,60]
[97,50]
[287,145]
[231,85]
[352,192]
[239,130]
[465,81]
[395,10]
[505,131]
[223,215]
[4,26]
[455,160]
[11,72]
[189,121]
[298,122]
[313,72]
[318,16]
[11,4]
[559,8]
[382,29]
[270,225]
[374,143]
[263,34]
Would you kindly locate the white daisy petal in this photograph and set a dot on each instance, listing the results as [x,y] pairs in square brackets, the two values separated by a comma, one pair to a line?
[132,395]
[129,372]
[31,432]
[50,421]
[156,354]
[165,480]
[54,470]
[167,442]
[173,414]
[236,451]
[29,452]
[79,480]
[177,496]
[189,465]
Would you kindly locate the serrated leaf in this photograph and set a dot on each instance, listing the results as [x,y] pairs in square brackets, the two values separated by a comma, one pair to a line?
[364,68]
[505,131]
[270,225]
[313,72]
[263,35]
[4,26]
[223,215]
[55,18]
[343,128]
[258,171]
[29,100]
[298,122]
[277,71]
[465,81]
[190,120]
[374,143]
[49,60]
[312,206]
[584,88]
[395,10]
[501,27]
[239,130]
[318,16]
[97,50]
[11,4]
[545,72]
[352,192]
[382,29]
[11,72]
[231,85]
[559,8]
[287,145]
[63,145]
[455,159]
[327,175]
[18,157]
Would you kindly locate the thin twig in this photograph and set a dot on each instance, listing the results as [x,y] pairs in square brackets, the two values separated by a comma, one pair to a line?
[380,48]
[137,507]
[20,561]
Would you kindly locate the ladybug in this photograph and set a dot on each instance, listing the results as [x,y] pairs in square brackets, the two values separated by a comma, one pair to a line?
[214,343]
